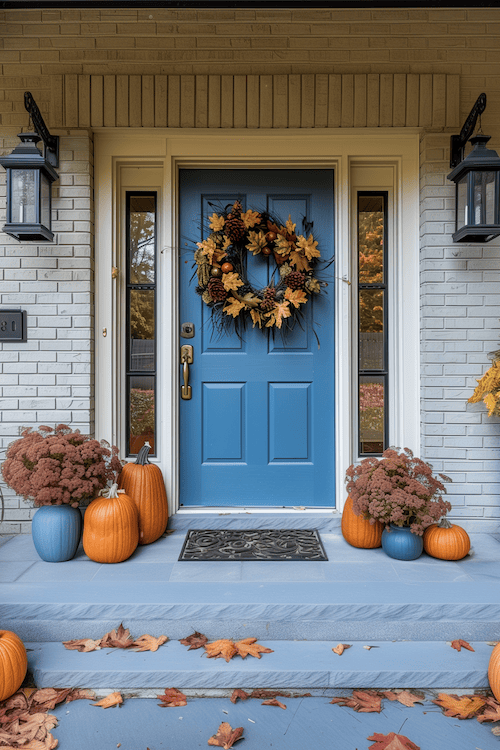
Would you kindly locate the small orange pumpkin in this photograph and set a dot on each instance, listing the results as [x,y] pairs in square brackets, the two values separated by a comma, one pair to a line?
[358,531]
[111,527]
[446,541]
[143,482]
[13,663]
[494,672]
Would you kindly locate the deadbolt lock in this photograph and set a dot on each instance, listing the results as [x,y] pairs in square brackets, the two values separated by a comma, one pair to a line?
[187,330]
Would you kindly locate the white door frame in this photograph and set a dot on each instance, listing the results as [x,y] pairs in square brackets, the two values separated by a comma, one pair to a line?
[338,149]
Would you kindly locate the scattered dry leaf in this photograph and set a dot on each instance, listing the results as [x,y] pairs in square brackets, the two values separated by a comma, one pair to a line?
[261,693]
[404,697]
[113,699]
[119,638]
[76,695]
[459,643]
[82,644]
[463,706]
[340,648]
[496,730]
[250,646]
[149,643]
[226,736]
[221,649]
[368,648]
[171,698]
[491,711]
[273,702]
[238,694]
[391,741]
[363,701]
[194,641]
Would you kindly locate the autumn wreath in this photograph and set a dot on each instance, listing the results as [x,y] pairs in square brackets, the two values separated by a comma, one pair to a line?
[221,262]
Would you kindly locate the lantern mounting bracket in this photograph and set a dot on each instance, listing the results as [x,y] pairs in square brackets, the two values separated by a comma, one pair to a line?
[458,142]
[50,142]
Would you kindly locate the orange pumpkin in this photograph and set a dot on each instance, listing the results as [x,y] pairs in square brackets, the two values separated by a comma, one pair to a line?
[358,531]
[13,663]
[143,482]
[494,672]
[111,527]
[446,541]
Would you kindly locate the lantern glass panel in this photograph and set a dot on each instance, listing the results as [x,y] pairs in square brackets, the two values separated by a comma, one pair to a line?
[23,198]
[45,201]
[483,198]
[462,202]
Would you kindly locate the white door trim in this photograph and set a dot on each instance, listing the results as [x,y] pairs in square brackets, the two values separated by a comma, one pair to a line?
[337,149]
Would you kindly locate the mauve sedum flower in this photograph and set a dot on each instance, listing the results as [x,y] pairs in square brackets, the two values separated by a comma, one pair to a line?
[399,489]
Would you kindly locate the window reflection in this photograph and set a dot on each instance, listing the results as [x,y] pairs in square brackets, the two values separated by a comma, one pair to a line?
[142,239]
[142,413]
[371,239]
[371,414]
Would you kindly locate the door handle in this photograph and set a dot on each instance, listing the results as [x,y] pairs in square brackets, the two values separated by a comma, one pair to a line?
[186,360]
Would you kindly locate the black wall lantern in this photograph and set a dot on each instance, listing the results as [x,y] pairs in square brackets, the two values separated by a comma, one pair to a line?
[477,179]
[30,174]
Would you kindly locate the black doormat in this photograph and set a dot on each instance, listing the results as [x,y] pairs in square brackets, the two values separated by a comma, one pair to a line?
[252,544]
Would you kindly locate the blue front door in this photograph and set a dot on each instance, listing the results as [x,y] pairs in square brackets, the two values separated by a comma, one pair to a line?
[259,428]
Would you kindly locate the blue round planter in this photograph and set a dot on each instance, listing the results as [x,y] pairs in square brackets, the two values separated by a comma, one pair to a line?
[401,544]
[56,531]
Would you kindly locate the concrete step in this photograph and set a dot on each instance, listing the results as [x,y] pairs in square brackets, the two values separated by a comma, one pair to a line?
[326,523]
[292,665]
[308,610]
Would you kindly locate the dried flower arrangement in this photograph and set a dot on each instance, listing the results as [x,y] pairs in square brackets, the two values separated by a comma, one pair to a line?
[55,466]
[399,489]
[488,387]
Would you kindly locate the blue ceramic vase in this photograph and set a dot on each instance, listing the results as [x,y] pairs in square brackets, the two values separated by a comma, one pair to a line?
[401,544]
[56,531]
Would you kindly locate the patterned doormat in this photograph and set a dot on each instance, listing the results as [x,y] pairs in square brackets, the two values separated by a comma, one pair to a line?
[253,544]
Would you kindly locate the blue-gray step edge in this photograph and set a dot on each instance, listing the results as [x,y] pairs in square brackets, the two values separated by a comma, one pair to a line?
[293,664]
[326,522]
[275,611]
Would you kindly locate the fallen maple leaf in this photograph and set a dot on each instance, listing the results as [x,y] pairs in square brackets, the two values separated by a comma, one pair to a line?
[238,694]
[363,701]
[391,741]
[48,698]
[82,644]
[491,711]
[77,695]
[221,649]
[113,699]
[226,736]
[119,638]
[459,643]
[340,648]
[149,643]
[250,646]
[463,707]
[404,697]
[273,702]
[194,641]
[171,698]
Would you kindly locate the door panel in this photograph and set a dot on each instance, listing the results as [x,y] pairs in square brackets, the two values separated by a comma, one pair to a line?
[259,429]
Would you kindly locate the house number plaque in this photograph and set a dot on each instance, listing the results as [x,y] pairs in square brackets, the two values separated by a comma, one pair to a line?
[13,326]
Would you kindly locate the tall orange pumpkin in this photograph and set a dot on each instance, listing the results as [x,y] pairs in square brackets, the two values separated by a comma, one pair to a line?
[13,663]
[143,482]
[446,541]
[111,527]
[494,672]
[358,531]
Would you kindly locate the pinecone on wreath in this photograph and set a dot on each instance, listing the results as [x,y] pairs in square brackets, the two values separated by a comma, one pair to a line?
[216,289]
[295,280]
[268,302]
[235,228]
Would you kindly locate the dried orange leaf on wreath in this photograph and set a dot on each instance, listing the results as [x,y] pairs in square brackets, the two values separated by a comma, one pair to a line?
[238,694]
[256,317]
[113,699]
[278,314]
[118,638]
[208,248]
[221,649]
[273,702]
[459,643]
[290,226]
[491,711]
[149,643]
[256,242]
[463,706]
[250,218]
[233,307]
[282,246]
[171,698]
[231,281]
[296,296]
[404,697]
[340,648]
[309,247]
[299,260]
[194,641]
[363,701]
[216,222]
[82,644]
[226,736]
[391,741]
[250,646]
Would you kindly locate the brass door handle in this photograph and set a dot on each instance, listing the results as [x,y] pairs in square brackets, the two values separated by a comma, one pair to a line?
[186,360]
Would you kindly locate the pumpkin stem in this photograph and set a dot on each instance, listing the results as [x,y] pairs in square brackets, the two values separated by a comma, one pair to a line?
[142,456]
[444,523]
